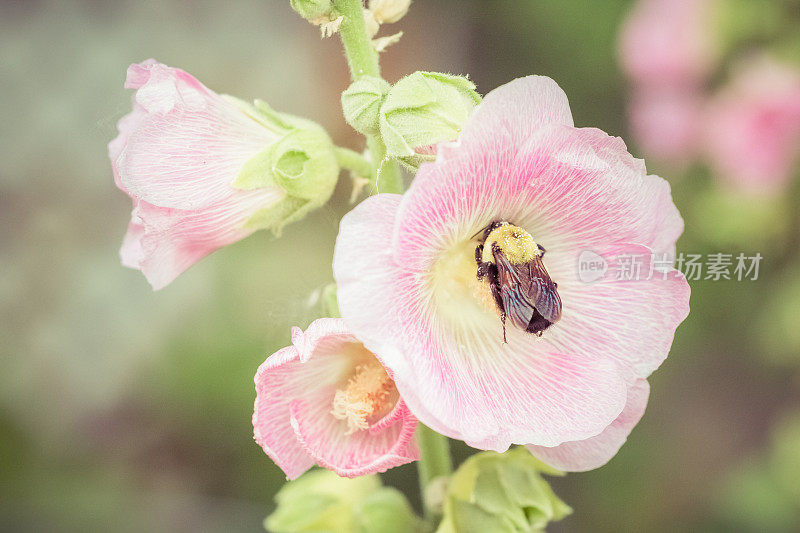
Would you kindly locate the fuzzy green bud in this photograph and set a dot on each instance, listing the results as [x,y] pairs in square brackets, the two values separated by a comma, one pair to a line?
[501,492]
[301,163]
[312,10]
[361,103]
[322,501]
[425,108]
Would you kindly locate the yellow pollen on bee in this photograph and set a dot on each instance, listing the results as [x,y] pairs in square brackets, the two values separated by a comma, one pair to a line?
[516,243]
[369,392]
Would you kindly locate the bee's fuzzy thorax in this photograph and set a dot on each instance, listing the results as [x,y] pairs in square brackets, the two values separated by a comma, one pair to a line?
[516,243]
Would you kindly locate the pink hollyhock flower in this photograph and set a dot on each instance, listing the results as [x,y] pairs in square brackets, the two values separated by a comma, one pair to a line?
[406,271]
[327,400]
[667,123]
[668,42]
[753,126]
[176,155]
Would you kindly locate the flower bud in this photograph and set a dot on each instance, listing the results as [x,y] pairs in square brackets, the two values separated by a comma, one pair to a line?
[178,155]
[425,108]
[312,10]
[301,163]
[361,103]
[371,24]
[322,501]
[501,492]
[388,11]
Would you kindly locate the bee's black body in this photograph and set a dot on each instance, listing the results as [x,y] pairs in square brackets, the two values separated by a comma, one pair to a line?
[522,289]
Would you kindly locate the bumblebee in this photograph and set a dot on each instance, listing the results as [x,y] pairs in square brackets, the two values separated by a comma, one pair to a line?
[511,262]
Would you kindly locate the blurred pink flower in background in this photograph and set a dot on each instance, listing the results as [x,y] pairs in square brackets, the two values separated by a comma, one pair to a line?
[666,123]
[753,126]
[327,400]
[176,155]
[669,42]
[405,269]
[667,48]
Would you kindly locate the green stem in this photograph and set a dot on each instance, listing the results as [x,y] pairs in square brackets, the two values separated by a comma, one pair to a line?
[362,58]
[434,462]
[387,177]
[352,160]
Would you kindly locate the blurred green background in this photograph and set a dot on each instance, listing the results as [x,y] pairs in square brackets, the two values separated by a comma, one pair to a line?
[122,409]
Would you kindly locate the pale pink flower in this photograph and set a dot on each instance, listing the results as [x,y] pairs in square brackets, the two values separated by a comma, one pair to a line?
[406,273]
[669,42]
[327,400]
[667,123]
[176,155]
[753,126]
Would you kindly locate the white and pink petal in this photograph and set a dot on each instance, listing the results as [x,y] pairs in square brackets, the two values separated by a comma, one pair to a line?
[163,242]
[296,395]
[183,145]
[594,452]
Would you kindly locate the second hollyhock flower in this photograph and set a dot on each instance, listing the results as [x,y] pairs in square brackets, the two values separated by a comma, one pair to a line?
[548,359]
[327,400]
[205,171]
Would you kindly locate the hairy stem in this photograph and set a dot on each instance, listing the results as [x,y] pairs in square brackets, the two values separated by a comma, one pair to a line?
[387,176]
[353,161]
[434,462]
[362,58]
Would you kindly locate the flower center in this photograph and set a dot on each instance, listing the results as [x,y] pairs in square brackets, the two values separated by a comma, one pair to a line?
[457,291]
[370,395]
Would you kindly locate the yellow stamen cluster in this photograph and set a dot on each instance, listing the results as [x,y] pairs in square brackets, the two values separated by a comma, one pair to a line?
[368,392]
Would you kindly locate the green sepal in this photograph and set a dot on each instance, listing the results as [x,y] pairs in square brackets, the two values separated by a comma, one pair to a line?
[425,108]
[321,501]
[501,492]
[278,215]
[302,163]
[318,501]
[361,103]
[386,510]
[282,120]
[312,10]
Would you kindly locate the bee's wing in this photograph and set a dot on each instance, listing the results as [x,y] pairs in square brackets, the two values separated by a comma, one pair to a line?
[526,288]
[547,301]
